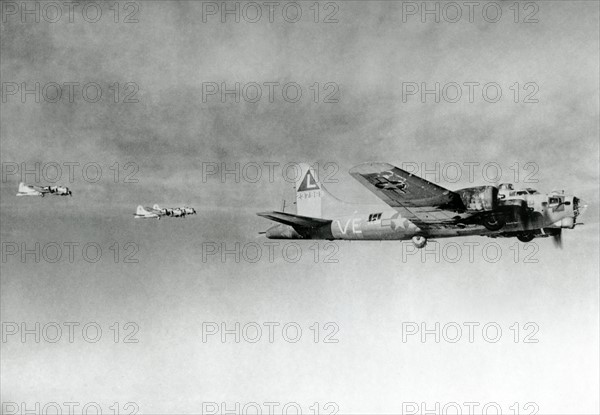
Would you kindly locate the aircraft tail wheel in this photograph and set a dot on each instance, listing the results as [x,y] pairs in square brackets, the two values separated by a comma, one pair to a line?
[419,241]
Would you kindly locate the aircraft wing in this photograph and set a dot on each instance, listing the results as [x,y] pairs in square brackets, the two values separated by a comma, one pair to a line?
[295,220]
[155,211]
[425,204]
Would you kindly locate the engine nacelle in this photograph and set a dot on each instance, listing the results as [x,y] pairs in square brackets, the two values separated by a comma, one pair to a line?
[479,198]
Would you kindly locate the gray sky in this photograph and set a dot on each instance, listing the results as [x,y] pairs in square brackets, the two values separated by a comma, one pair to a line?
[370,53]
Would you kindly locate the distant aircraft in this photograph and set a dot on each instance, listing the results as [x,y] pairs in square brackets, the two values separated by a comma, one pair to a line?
[421,210]
[143,213]
[157,211]
[31,190]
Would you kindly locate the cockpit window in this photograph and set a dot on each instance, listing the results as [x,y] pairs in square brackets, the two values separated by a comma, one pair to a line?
[553,200]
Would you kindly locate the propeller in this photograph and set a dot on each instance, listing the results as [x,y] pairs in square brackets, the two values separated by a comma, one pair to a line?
[557,238]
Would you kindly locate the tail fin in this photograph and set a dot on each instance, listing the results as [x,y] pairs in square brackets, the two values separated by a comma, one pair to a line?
[140,210]
[156,207]
[309,193]
[23,188]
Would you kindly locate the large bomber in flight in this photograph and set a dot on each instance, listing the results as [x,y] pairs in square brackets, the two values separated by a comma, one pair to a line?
[32,190]
[155,212]
[421,210]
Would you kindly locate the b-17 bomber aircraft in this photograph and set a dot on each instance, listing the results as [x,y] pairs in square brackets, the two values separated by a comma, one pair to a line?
[32,190]
[155,212]
[175,212]
[146,213]
[421,210]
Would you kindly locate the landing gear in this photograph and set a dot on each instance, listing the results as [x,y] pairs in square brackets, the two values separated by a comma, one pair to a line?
[525,237]
[419,241]
[493,223]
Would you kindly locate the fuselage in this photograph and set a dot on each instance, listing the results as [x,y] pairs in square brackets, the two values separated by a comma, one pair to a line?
[545,211]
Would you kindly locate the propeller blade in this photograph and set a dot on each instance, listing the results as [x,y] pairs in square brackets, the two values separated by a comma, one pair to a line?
[557,238]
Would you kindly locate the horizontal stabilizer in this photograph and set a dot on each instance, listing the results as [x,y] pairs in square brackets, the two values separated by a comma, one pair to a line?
[295,220]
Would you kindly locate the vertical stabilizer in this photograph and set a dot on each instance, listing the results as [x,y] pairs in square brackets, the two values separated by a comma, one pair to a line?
[309,192]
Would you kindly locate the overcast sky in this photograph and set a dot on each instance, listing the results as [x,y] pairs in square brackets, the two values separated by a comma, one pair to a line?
[369,57]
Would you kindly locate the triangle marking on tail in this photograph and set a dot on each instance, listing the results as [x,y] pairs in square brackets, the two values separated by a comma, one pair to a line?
[308,183]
